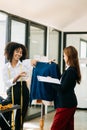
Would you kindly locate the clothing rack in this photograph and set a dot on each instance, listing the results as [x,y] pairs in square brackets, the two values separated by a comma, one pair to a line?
[39,102]
[42,117]
[44,105]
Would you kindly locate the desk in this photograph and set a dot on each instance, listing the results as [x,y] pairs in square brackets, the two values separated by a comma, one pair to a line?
[15,107]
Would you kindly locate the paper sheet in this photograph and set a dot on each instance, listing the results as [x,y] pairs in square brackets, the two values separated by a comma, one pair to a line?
[48,79]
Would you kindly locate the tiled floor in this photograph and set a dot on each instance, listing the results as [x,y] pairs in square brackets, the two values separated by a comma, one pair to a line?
[80,121]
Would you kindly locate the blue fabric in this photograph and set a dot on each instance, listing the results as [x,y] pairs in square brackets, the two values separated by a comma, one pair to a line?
[42,90]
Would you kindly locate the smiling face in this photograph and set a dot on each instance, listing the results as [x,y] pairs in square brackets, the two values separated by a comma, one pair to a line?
[17,54]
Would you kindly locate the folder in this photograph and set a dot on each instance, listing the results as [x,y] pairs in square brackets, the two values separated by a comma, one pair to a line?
[48,79]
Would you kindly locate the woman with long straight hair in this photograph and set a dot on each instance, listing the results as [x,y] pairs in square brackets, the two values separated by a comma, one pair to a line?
[66,102]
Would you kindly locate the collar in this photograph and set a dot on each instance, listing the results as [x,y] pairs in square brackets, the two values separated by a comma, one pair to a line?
[67,66]
[10,66]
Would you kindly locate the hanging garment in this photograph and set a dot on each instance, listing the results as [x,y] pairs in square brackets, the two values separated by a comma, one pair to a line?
[42,90]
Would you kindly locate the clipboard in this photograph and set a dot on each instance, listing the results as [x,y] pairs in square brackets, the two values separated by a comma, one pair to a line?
[48,79]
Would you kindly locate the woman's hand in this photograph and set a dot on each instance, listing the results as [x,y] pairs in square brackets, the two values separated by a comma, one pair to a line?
[33,62]
[22,74]
[52,60]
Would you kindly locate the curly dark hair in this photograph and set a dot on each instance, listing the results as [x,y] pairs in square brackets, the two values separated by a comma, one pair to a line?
[11,47]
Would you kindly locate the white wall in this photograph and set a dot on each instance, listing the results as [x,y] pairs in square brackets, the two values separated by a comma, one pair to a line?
[79,25]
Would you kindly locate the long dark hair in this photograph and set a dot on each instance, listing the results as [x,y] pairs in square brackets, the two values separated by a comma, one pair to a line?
[9,50]
[73,60]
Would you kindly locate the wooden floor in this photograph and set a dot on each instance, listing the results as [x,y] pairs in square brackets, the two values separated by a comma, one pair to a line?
[80,121]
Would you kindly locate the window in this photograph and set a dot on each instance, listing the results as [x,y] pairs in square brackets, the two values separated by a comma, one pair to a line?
[3,23]
[53,47]
[37,42]
[18,31]
[83,49]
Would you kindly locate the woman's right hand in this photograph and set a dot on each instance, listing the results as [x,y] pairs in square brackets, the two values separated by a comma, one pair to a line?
[22,74]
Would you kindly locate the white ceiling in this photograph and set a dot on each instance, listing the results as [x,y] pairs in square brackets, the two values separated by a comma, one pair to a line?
[61,14]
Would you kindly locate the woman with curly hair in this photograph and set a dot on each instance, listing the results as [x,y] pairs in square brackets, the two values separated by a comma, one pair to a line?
[15,73]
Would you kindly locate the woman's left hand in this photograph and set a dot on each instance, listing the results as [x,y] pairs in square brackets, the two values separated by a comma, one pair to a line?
[52,60]
[33,62]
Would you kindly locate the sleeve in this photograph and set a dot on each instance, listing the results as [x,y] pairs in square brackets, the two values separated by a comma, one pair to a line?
[27,64]
[68,80]
[7,81]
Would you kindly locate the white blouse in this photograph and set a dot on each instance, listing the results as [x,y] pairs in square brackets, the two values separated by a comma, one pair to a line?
[9,72]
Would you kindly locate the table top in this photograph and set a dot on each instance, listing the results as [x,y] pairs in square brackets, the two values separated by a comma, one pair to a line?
[10,109]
